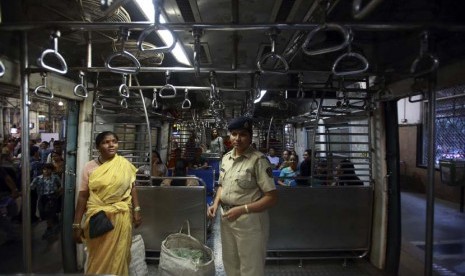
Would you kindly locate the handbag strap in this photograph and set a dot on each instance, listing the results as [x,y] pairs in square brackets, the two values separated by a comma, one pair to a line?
[188,227]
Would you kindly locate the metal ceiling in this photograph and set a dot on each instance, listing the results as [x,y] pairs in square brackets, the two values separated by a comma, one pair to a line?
[234,35]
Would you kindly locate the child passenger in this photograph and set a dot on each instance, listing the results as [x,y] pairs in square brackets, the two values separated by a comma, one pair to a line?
[48,187]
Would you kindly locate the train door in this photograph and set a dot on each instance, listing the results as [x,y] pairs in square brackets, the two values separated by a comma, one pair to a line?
[69,185]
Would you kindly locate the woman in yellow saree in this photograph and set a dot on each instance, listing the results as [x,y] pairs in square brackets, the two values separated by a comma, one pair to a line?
[107,185]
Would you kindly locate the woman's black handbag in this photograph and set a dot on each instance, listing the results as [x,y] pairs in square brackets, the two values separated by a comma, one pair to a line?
[99,224]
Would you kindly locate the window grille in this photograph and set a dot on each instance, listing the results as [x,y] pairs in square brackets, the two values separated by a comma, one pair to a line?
[449,123]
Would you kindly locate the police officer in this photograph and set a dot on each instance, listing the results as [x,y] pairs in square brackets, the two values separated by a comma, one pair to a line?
[245,193]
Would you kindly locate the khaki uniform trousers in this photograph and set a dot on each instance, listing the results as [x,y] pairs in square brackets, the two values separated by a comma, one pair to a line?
[244,244]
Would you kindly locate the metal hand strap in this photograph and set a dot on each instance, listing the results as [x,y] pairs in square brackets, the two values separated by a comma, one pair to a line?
[273,55]
[300,90]
[197,33]
[283,105]
[186,104]
[53,52]
[324,28]
[350,54]
[424,55]
[124,34]
[97,104]
[123,103]
[358,12]
[213,93]
[154,101]
[167,87]
[256,82]
[418,86]
[314,102]
[123,88]
[42,91]
[80,90]
[217,105]
[2,69]
[156,27]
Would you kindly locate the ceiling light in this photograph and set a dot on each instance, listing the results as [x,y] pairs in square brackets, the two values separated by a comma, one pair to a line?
[262,93]
[146,6]
[60,103]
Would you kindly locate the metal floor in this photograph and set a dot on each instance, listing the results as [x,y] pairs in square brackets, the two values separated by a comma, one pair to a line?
[449,249]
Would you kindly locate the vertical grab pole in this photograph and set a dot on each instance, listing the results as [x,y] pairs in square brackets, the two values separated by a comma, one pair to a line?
[430,187]
[25,181]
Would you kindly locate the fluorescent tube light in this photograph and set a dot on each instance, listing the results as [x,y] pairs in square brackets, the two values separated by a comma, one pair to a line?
[146,6]
[262,93]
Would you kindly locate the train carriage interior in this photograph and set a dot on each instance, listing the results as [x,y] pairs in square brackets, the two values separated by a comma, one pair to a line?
[376,82]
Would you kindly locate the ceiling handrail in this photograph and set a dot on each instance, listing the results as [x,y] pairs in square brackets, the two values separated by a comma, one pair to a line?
[80,90]
[358,12]
[42,91]
[158,4]
[53,52]
[323,28]
[273,34]
[167,87]
[124,34]
[350,54]
[424,55]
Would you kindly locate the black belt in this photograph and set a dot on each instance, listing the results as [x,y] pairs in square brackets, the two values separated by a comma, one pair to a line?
[226,207]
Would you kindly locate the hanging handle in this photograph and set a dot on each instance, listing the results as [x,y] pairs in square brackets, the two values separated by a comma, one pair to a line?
[358,12]
[80,90]
[2,69]
[186,104]
[124,54]
[358,56]
[324,28]
[42,91]
[273,56]
[53,53]
[154,101]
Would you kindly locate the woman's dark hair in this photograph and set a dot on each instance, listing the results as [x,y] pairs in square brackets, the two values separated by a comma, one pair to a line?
[102,135]
[49,166]
[158,155]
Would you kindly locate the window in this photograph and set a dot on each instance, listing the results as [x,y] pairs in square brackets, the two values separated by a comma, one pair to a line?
[449,123]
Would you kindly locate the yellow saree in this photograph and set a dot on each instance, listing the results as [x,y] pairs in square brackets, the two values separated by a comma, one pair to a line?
[110,190]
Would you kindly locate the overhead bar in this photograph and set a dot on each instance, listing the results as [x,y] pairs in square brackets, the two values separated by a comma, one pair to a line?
[112,26]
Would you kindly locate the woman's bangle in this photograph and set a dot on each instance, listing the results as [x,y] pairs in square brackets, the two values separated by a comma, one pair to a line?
[246,208]
[137,209]
[76,226]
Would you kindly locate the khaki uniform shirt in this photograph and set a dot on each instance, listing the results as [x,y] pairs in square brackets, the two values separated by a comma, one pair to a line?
[246,178]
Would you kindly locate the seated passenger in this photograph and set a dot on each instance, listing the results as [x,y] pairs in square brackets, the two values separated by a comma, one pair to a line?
[345,173]
[284,158]
[274,160]
[287,174]
[175,155]
[180,169]
[321,174]
[157,166]
[198,162]
[306,168]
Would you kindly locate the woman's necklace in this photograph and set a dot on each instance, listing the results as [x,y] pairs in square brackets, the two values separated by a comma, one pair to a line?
[99,161]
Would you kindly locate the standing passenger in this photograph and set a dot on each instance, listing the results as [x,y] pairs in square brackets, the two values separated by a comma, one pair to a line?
[216,144]
[108,185]
[245,193]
